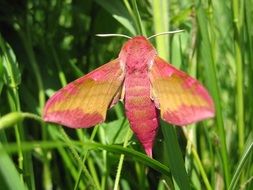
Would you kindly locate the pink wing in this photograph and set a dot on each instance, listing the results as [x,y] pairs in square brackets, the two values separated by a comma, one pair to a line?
[181,98]
[84,102]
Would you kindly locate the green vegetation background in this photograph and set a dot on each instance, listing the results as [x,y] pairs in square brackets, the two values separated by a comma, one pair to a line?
[46,44]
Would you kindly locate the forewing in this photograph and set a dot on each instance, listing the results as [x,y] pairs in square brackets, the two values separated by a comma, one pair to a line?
[181,98]
[84,102]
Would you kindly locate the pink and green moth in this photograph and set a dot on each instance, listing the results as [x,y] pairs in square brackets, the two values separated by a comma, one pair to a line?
[148,85]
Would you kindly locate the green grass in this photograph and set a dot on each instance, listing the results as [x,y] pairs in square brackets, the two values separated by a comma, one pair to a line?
[46,44]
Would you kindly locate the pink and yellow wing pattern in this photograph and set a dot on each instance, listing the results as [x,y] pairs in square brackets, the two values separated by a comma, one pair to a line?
[84,102]
[182,99]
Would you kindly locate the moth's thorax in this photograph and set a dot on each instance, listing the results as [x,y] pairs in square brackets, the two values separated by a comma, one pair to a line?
[136,54]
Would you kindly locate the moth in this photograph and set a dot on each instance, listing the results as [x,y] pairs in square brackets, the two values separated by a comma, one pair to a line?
[149,87]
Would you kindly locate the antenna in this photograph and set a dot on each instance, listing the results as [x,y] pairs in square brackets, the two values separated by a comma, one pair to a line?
[164,33]
[110,35]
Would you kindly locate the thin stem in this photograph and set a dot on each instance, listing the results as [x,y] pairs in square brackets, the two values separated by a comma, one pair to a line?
[26,39]
[13,118]
[126,2]
[25,36]
[198,161]
[139,22]
[61,75]
[77,157]
[238,171]
[13,97]
[121,160]
[201,168]
[94,132]
[239,71]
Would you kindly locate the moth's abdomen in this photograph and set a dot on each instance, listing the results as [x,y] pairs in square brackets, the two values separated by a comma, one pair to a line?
[140,109]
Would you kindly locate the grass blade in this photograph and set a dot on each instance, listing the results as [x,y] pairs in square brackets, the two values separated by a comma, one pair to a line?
[210,70]
[238,23]
[245,156]
[9,177]
[176,162]
[143,158]
[161,24]
[119,12]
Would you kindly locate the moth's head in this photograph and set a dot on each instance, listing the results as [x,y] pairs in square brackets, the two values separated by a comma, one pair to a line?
[137,42]
[137,46]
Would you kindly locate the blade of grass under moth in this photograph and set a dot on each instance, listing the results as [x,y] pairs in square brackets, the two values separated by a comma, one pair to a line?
[143,158]
[175,158]
[176,162]
[210,71]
